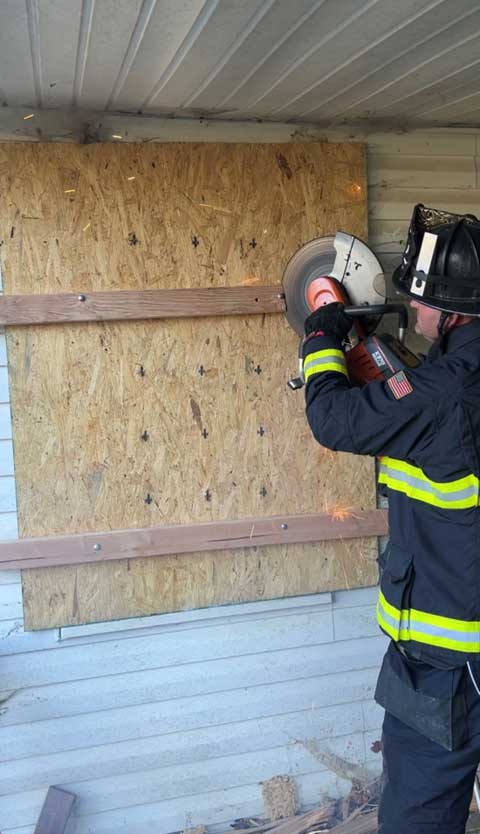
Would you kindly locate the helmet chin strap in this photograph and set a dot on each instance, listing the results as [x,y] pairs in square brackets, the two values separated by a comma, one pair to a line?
[443,323]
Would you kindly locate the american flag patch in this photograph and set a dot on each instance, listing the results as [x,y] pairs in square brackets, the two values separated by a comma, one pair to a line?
[399,385]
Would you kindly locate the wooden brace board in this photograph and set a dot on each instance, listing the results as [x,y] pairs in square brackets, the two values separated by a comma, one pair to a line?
[138,424]
[190,538]
[140,304]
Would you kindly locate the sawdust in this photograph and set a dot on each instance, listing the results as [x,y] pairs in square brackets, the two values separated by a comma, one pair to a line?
[280,797]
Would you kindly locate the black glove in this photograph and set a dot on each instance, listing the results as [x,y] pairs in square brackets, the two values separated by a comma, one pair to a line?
[331,319]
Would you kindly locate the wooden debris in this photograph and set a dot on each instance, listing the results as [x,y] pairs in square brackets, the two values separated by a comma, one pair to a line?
[305,822]
[252,825]
[358,824]
[244,824]
[55,812]
[292,825]
[355,814]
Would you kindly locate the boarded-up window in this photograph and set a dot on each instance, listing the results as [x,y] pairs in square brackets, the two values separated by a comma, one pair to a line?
[139,424]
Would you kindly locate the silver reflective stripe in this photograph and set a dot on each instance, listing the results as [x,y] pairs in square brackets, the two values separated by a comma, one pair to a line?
[388,617]
[409,624]
[326,360]
[440,631]
[427,486]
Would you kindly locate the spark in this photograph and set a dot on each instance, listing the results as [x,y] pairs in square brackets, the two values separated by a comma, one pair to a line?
[340,513]
[86,227]
[30,116]
[251,531]
[251,279]
[337,512]
[70,191]
[329,454]
[116,136]
[130,178]
[211,206]
[355,189]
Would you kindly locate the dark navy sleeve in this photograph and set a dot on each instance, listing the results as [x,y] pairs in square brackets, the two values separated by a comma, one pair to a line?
[470,422]
[369,420]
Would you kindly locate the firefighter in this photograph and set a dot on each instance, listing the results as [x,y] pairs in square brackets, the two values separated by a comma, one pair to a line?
[424,427]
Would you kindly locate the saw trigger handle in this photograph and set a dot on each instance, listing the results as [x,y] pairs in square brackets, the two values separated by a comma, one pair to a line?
[380,310]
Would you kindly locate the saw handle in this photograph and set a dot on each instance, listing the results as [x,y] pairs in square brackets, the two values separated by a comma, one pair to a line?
[358,312]
[380,310]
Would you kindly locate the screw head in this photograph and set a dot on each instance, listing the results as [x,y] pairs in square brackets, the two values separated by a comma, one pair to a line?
[97,547]
[82,297]
[284,526]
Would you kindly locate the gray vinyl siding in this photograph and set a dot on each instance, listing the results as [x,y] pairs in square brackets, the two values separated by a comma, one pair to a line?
[180,722]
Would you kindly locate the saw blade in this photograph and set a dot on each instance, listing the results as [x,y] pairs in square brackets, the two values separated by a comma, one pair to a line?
[344,257]
[311,261]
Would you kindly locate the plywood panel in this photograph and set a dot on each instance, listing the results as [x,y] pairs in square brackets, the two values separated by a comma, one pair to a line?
[144,423]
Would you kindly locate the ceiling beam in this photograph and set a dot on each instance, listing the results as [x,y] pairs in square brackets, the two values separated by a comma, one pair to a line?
[88,126]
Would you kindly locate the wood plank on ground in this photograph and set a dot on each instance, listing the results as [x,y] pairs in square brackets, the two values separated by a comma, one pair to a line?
[55,812]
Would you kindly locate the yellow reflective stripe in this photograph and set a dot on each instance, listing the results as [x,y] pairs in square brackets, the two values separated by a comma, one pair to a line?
[416,472]
[443,622]
[330,359]
[393,632]
[427,498]
[404,625]
[321,354]
[436,620]
[412,481]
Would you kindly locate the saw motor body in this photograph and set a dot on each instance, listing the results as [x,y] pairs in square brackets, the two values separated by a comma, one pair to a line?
[344,269]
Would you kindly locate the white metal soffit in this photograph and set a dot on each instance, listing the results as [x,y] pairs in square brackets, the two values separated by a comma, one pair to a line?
[392,63]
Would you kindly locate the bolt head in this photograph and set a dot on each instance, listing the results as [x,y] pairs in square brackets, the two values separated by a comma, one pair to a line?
[97,547]
[284,526]
[82,297]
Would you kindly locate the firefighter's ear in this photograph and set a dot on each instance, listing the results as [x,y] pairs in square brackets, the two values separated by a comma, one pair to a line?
[450,321]
[456,320]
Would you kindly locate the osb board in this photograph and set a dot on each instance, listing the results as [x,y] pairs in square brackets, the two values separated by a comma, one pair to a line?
[225,437]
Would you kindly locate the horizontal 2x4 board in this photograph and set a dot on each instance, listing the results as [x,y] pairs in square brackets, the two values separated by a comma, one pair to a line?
[139,304]
[191,538]
[137,424]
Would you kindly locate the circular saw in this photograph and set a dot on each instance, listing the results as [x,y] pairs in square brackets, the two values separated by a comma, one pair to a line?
[343,268]
[358,278]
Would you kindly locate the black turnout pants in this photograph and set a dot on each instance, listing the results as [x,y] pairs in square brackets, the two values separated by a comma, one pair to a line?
[427,788]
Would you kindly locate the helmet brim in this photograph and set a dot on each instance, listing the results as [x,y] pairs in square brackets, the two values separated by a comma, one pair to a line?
[466,308]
